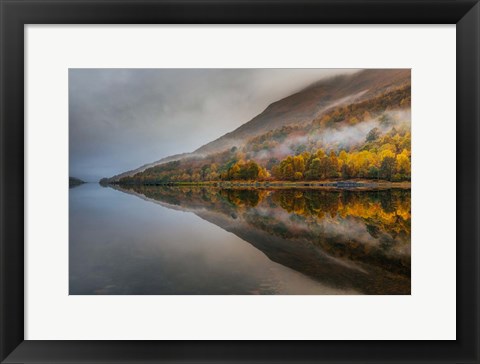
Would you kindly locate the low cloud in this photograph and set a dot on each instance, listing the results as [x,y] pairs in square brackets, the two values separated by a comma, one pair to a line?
[120,119]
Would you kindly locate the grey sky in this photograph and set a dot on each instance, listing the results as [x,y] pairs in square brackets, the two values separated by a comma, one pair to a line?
[120,119]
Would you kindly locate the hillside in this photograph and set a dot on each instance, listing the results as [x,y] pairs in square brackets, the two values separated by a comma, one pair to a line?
[311,102]
[331,115]
[140,169]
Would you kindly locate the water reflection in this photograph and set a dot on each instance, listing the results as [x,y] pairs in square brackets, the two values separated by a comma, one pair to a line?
[350,241]
[120,244]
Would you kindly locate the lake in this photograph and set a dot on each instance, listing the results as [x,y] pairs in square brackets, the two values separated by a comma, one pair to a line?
[159,240]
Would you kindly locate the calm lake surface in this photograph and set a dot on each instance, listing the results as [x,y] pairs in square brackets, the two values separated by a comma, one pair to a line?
[204,240]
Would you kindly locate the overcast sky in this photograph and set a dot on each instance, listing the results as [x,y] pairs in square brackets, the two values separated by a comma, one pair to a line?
[120,119]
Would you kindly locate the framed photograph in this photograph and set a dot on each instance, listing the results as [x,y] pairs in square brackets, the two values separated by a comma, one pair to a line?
[239,181]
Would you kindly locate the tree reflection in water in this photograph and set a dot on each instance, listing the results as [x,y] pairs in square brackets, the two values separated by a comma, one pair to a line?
[342,238]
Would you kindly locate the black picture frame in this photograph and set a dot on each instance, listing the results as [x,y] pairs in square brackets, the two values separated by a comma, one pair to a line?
[15,14]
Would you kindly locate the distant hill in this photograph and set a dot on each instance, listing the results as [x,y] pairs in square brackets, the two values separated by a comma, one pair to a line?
[323,105]
[143,168]
[74,182]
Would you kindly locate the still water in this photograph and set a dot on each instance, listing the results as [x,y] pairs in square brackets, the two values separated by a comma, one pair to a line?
[204,240]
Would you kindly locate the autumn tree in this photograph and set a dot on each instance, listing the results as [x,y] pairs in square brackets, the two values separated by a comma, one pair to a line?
[288,172]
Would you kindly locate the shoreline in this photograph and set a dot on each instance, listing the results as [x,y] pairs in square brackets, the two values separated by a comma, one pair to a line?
[357,184]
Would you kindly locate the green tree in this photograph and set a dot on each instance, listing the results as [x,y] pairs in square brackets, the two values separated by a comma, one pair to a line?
[314,171]
[373,135]
[387,168]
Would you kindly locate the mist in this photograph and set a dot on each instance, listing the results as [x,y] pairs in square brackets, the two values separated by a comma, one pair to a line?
[120,119]
[340,137]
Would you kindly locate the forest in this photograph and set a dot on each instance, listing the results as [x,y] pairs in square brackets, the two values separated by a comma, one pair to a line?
[385,157]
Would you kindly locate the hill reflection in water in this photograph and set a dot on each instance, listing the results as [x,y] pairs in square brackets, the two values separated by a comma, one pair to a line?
[344,239]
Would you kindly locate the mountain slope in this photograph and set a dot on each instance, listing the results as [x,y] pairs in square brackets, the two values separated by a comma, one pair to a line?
[132,172]
[298,109]
[305,105]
